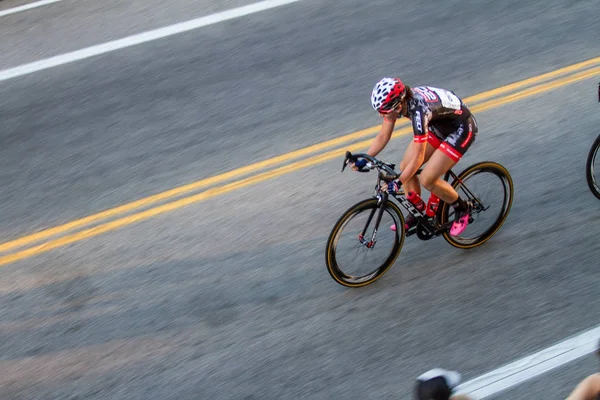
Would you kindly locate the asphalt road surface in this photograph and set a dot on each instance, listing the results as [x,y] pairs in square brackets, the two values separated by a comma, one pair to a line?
[229,298]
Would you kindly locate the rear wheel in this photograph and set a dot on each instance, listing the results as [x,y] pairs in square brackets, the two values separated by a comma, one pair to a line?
[592,168]
[489,186]
[351,243]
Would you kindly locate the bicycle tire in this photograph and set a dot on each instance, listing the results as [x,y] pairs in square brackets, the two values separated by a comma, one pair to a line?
[506,179]
[330,258]
[589,168]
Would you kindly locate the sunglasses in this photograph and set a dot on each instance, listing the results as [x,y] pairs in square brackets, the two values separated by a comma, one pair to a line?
[390,108]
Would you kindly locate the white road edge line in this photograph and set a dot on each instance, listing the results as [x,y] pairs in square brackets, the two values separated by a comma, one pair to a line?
[26,7]
[533,365]
[141,38]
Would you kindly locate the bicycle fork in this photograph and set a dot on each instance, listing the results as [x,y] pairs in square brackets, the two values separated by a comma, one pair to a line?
[381,201]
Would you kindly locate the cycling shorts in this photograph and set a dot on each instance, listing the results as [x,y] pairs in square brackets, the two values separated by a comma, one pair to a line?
[456,143]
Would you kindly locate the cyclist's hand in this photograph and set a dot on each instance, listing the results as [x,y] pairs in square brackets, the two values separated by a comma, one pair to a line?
[358,165]
[393,186]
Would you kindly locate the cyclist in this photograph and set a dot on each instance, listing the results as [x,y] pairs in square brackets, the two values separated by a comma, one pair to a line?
[444,129]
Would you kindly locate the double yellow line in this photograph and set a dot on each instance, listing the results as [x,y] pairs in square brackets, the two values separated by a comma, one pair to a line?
[92,225]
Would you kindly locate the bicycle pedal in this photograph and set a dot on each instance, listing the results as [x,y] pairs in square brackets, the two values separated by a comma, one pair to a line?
[411,231]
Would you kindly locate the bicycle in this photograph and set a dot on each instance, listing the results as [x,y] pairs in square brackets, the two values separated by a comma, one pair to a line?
[593,181]
[426,227]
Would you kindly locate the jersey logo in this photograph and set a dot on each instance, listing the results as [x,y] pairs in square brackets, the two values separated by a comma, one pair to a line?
[448,99]
[418,121]
[432,94]
[427,94]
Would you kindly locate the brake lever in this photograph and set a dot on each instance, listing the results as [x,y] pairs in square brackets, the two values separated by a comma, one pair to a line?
[349,157]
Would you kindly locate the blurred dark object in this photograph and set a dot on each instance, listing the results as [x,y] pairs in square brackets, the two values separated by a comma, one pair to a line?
[437,384]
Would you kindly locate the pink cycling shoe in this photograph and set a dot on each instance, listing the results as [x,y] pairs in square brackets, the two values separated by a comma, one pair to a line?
[459,225]
[407,225]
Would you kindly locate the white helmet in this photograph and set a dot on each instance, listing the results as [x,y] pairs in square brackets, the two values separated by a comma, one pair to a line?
[387,93]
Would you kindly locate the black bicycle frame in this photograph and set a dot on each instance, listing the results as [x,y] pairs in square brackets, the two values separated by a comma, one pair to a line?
[422,220]
[431,229]
[382,199]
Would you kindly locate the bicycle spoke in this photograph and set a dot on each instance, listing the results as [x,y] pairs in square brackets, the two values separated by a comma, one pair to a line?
[362,258]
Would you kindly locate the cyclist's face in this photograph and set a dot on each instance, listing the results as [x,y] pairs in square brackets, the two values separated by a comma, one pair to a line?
[393,114]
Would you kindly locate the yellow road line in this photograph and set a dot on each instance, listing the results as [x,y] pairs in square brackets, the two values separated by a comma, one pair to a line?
[536,90]
[184,189]
[181,190]
[210,193]
[220,190]
[535,79]
[299,153]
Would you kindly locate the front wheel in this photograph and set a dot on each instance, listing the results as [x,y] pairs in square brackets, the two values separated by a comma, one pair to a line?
[489,186]
[593,180]
[362,231]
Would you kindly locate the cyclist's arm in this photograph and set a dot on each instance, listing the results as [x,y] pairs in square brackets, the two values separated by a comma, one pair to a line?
[383,137]
[587,389]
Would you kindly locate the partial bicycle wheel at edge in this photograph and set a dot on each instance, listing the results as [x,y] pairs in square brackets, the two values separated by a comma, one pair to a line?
[369,207]
[466,187]
[592,180]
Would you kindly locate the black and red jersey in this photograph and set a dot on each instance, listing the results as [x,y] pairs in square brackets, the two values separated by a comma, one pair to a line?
[435,110]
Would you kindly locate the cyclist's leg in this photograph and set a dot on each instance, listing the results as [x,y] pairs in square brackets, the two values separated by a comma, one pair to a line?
[445,157]
[439,163]
[413,184]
